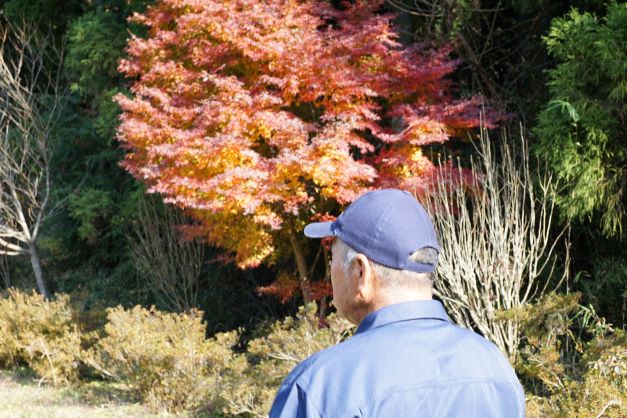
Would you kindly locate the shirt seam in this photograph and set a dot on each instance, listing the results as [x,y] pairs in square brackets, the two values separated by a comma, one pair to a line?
[424,386]
[398,321]
[439,314]
[309,400]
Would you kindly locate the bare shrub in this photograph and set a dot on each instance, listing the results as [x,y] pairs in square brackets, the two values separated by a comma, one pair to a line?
[497,244]
[169,265]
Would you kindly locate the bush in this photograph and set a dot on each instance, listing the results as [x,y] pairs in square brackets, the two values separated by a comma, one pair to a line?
[165,357]
[572,362]
[256,377]
[41,334]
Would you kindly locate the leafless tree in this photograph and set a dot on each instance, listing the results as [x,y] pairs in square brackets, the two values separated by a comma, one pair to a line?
[31,97]
[169,265]
[496,237]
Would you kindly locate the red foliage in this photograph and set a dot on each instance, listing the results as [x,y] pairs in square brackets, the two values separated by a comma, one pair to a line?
[256,114]
[319,289]
[283,288]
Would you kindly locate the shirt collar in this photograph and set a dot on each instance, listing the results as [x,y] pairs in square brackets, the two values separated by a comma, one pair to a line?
[406,311]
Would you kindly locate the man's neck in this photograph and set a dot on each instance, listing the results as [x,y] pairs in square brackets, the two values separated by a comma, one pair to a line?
[391,296]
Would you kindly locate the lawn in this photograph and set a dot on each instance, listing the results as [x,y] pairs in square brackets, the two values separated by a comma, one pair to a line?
[22,396]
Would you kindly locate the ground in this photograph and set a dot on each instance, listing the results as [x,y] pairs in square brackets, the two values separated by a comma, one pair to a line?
[22,397]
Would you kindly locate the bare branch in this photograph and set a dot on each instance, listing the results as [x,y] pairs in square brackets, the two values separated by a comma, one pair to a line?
[496,238]
[31,98]
[7,245]
[168,264]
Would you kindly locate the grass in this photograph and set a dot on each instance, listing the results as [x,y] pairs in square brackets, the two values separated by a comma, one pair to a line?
[22,397]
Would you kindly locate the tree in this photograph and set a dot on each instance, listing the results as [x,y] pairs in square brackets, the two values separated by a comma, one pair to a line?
[581,131]
[84,241]
[499,43]
[256,115]
[30,99]
[45,14]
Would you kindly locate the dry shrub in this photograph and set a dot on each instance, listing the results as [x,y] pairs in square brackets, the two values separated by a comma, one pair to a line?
[256,378]
[495,232]
[165,357]
[40,333]
[572,362]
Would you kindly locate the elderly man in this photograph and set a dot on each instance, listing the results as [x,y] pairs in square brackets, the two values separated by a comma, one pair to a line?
[406,358]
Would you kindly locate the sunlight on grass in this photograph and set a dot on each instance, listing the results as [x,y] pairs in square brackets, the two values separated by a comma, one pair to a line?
[22,396]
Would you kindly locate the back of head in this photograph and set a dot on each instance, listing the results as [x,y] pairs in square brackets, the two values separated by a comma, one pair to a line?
[393,231]
[388,226]
[392,278]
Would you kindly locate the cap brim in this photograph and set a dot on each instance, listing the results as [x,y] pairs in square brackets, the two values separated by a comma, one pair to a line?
[319,230]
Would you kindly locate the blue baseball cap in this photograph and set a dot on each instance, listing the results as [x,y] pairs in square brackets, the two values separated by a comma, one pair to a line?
[386,226]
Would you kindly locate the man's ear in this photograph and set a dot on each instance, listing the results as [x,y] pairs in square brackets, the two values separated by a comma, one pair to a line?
[365,286]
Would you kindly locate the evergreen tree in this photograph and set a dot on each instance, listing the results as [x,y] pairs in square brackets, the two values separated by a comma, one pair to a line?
[581,131]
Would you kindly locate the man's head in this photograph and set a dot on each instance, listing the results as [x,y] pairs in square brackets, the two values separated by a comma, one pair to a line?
[384,252]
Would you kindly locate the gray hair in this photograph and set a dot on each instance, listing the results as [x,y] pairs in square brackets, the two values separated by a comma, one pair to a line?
[390,277]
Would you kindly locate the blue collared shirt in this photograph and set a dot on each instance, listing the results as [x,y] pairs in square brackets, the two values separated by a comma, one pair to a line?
[405,360]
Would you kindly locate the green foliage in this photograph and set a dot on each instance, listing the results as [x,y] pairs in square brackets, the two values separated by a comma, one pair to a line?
[95,44]
[573,362]
[581,132]
[49,13]
[605,287]
[170,364]
[272,356]
[106,121]
[165,357]
[83,244]
[542,323]
[87,208]
[42,334]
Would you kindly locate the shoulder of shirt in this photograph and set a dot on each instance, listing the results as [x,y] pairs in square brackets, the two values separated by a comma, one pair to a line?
[334,353]
[305,370]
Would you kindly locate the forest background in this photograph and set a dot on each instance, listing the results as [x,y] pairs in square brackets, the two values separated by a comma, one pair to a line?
[552,72]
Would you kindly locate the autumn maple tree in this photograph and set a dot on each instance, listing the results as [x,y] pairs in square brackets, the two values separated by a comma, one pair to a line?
[256,116]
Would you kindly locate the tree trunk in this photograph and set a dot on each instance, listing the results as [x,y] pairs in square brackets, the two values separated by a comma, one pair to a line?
[4,272]
[302,266]
[39,275]
[324,305]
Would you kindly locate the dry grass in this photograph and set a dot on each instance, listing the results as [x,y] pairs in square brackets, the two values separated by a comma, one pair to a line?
[21,396]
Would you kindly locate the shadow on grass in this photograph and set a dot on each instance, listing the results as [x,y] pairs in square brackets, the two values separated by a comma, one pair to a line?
[100,392]
[92,392]
[93,395]
[21,375]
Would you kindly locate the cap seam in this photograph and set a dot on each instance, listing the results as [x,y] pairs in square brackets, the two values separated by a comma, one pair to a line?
[384,218]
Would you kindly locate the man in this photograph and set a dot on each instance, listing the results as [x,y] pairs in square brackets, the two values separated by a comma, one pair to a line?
[406,358]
